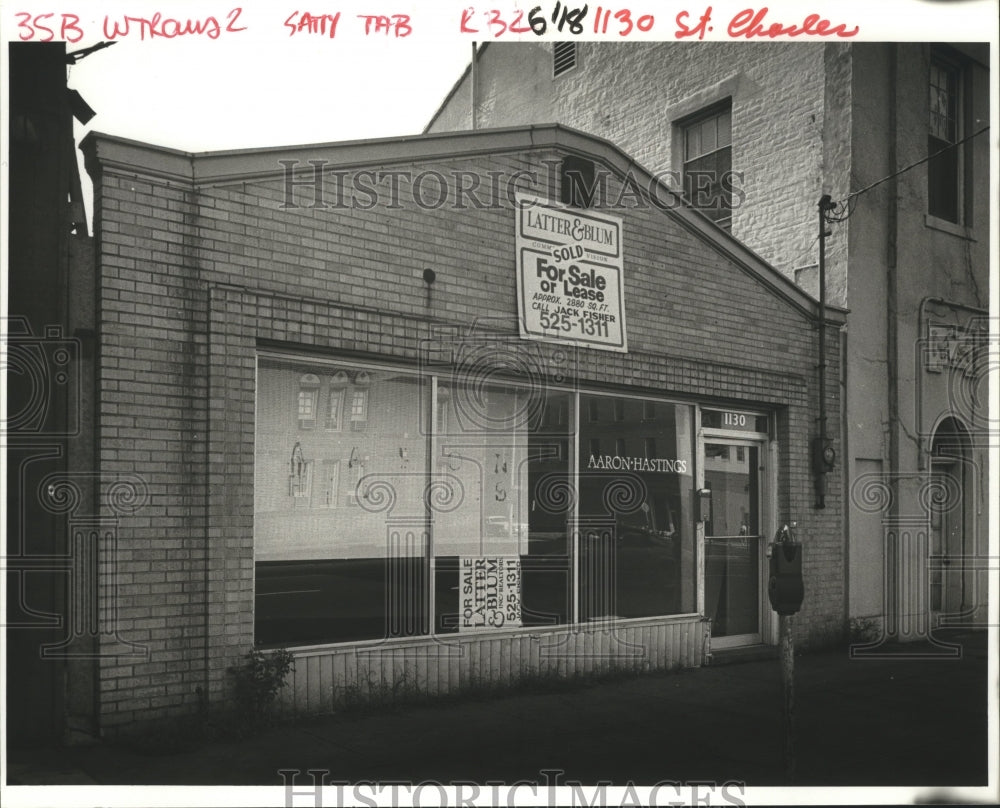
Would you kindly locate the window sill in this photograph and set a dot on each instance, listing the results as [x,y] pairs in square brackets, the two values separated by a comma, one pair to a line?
[444,640]
[944,226]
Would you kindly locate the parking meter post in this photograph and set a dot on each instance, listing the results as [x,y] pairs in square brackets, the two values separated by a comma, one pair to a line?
[785,592]
[788,689]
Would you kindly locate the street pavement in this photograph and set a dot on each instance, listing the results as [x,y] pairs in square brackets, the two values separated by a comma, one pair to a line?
[899,720]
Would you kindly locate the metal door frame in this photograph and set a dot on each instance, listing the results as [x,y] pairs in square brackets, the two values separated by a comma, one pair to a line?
[767,452]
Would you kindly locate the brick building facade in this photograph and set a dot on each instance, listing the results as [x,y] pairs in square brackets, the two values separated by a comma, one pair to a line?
[312,377]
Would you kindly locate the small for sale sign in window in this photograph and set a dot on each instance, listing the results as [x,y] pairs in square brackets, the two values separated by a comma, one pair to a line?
[490,589]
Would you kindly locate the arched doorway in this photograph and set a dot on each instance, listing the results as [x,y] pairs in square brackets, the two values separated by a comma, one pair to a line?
[951,529]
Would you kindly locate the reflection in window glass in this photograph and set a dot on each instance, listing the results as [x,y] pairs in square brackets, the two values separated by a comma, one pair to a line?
[507,447]
[359,406]
[307,404]
[335,409]
[708,162]
[328,567]
[308,397]
[497,498]
[636,525]
[732,540]
[944,165]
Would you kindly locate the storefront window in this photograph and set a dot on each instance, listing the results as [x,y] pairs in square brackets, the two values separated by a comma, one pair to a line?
[502,555]
[339,517]
[637,551]
[372,482]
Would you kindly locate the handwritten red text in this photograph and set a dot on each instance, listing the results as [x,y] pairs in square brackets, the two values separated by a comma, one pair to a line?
[322,24]
[563,19]
[625,21]
[684,30]
[749,24]
[37,28]
[396,24]
[158,26]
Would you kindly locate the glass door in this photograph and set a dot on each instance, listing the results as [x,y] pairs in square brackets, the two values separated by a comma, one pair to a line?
[733,542]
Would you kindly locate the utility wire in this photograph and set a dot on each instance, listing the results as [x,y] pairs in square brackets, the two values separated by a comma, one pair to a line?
[843,210]
[794,263]
[846,201]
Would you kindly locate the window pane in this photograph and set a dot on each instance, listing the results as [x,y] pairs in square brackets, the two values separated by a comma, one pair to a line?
[725,128]
[709,140]
[943,102]
[636,525]
[732,539]
[693,142]
[507,450]
[707,165]
[335,409]
[708,184]
[944,167]
[732,476]
[328,566]
[942,180]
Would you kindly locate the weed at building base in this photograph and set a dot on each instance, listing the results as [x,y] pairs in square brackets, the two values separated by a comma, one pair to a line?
[863,630]
[255,687]
[256,682]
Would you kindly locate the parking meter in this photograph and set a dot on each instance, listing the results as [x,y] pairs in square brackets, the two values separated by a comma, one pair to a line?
[784,588]
[703,504]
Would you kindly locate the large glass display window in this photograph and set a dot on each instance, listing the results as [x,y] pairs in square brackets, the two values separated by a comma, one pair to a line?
[502,553]
[637,542]
[340,539]
[390,504]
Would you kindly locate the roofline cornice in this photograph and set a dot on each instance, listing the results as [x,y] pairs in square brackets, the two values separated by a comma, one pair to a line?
[205,169]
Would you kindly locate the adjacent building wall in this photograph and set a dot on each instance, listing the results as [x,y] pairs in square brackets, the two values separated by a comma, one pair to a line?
[907,270]
[633,94]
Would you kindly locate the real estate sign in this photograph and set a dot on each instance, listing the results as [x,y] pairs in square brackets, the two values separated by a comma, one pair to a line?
[569,275]
[490,592]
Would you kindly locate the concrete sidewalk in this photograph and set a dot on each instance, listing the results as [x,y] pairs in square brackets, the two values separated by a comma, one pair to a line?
[897,721]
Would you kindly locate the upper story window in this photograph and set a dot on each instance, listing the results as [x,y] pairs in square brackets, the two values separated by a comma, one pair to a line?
[944,130]
[563,58]
[708,163]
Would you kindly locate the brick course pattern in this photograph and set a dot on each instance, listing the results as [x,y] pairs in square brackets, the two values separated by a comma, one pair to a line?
[783,163]
[195,276]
